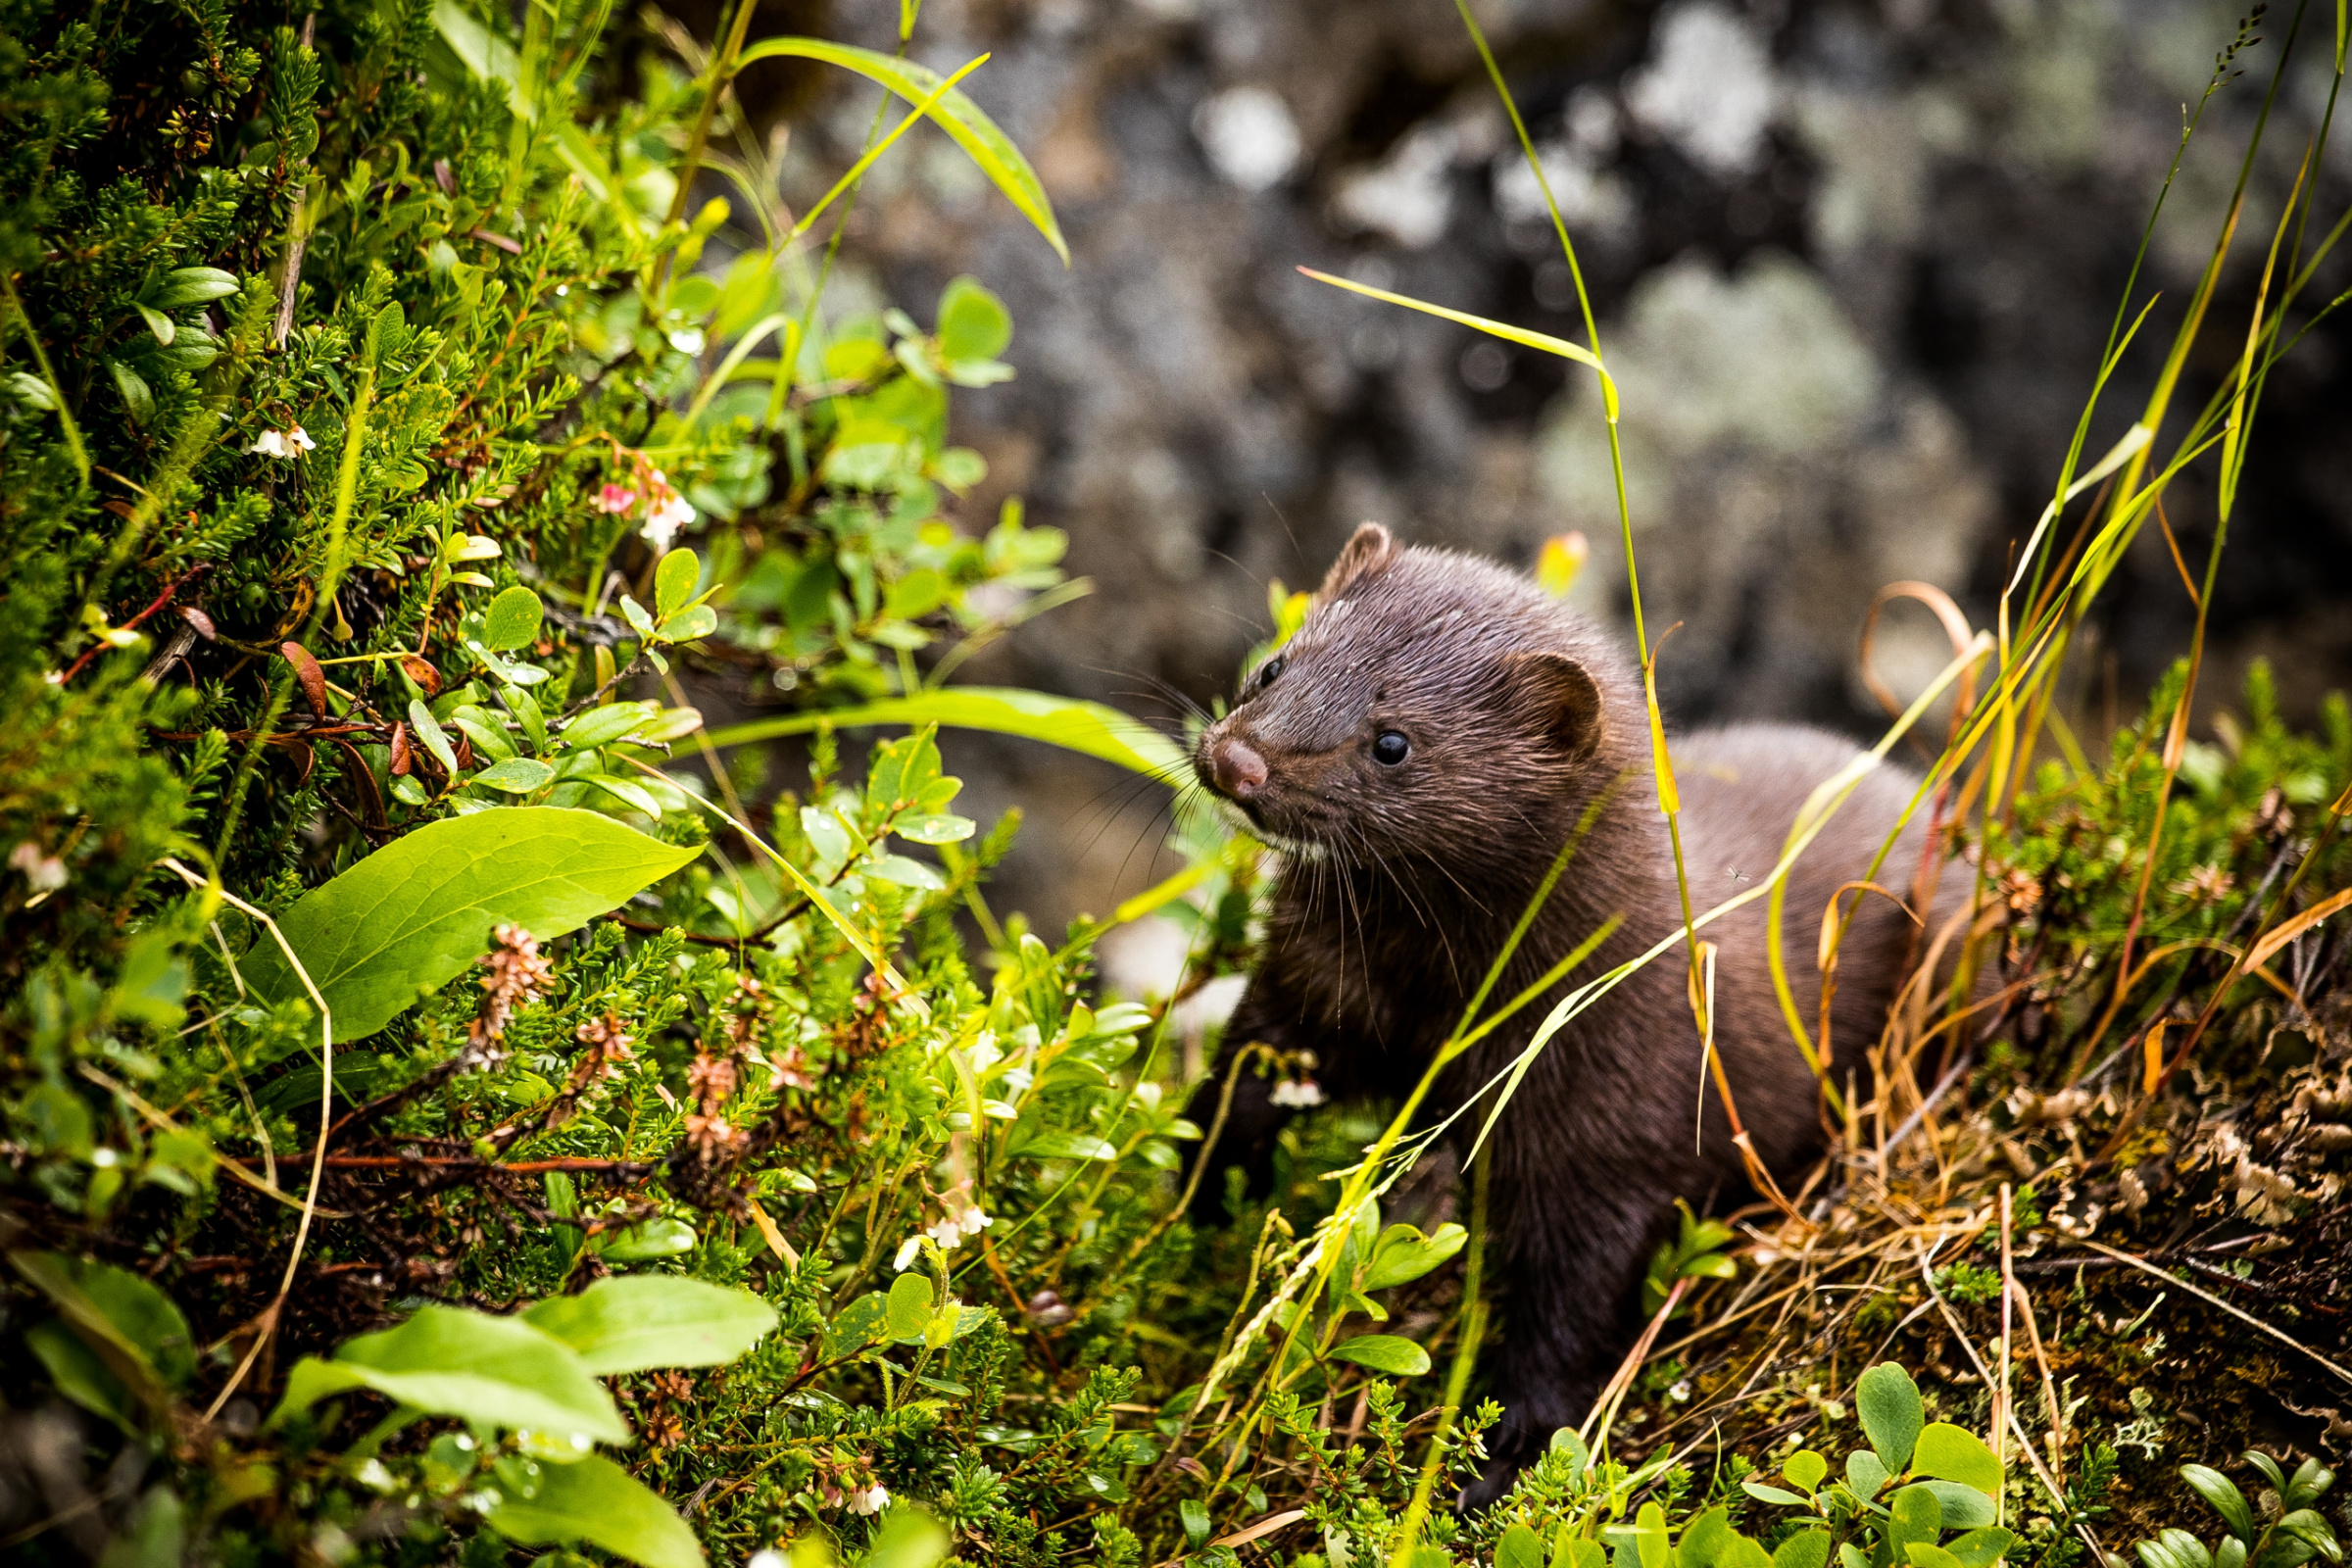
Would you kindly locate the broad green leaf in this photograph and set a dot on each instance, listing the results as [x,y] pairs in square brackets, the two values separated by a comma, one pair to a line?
[1982,1548]
[1384,1352]
[1955,1453]
[1916,1514]
[1891,1413]
[602,726]
[447,1360]
[2175,1548]
[864,1322]
[1705,1539]
[2227,1501]
[908,1305]
[431,732]
[1068,722]
[1578,1551]
[1807,1548]
[634,612]
[956,114]
[137,398]
[162,325]
[132,1311]
[1806,1469]
[1865,1474]
[909,1538]
[599,1502]
[2310,1527]
[418,913]
[517,775]
[1928,1554]
[1066,1146]
[631,1322]
[974,323]
[1964,1506]
[674,581]
[155,1537]
[512,618]
[78,1374]
[1775,1495]
[935,828]
[1742,1552]
[192,285]
[1195,1514]
[628,791]
[1404,1253]
[1519,1547]
[694,620]
[662,1236]
[1650,1535]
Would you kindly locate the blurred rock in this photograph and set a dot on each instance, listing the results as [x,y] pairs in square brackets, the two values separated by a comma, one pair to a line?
[1852,264]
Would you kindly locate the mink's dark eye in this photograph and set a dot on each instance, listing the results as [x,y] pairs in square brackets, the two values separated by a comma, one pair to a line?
[1390,748]
[1267,671]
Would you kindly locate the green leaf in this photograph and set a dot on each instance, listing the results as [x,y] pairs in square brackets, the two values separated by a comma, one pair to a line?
[908,1305]
[1195,1514]
[1983,1547]
[155,1537]
[662,1236]
[1650,1535]
[512,618]
[1578,1551]
[1806,1469]
[78,1373]
[1957,1455]
[956,114]
[974,323]
[1080,726]
[1404,1253]
[418,913]
[2222,1493]
[909,1538]
[435,739]
[191,285]
[162,325]
[1917,1515]
[1066,1146]
[631,1322]
[603,726]
[1743,1552]
[1964,1506]
[137,1338]
[935,828]
[2311,1527]
[1927,1554]
[1891,1413]
[694,620]
[517,775]
[2175,1548]
[599,1502]
[674,581]
[1384,1352]
[864,1322]
[137,397]
[1519,1547]
[1764,1494]
[1807,1548]
[1706,1539]
[1865,1474]
[447,1360]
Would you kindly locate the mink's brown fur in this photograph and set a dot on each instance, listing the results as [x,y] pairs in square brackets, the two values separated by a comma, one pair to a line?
[1403,881]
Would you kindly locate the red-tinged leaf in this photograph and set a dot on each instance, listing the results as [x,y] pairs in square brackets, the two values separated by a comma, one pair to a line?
[200,621]
[423,674]
[400,751]
[510,247]
[307,671]
[465,755]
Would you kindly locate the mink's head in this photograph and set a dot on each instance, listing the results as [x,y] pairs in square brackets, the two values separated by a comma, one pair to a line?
[1434,705]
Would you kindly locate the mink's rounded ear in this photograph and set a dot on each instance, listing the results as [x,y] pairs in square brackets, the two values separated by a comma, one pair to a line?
[1558,698]
[1370,549]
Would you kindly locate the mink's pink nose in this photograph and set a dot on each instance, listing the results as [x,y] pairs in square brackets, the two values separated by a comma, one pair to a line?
[1239,771]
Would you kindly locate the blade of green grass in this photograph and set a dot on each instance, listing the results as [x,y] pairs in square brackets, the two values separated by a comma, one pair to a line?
[1069,723]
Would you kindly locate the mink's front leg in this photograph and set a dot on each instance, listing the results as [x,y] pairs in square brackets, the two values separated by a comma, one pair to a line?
[1571,1257]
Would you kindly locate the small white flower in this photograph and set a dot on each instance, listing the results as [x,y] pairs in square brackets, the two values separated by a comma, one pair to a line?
[908,1251]
[947,1232]
[282,443]
[46,872]
[766,1557]
[1302,1091]
[664,517]
[873,1500]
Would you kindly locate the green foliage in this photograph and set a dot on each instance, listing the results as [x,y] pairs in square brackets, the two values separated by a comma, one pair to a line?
[2288,1533]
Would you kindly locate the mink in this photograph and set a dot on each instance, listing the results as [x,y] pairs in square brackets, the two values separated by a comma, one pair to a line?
[1420,750]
